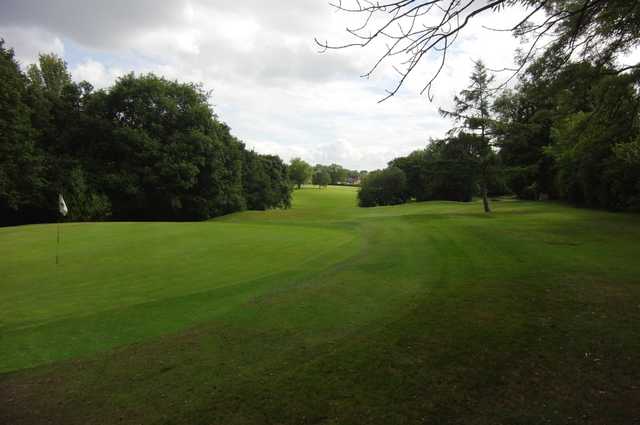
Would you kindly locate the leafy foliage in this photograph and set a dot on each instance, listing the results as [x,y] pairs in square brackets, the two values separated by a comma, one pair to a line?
[338,175]
[300,172]
[146,149]
[472,111]
[571,135]
[22,162]
[321,177]
[455,168]
[385,187]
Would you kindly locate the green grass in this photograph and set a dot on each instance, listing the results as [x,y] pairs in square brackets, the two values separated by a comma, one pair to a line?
[327,314]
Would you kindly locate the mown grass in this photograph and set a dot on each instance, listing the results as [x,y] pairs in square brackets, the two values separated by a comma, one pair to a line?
[326,313]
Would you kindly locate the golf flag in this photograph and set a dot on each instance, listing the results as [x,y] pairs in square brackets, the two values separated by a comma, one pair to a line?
[62,206]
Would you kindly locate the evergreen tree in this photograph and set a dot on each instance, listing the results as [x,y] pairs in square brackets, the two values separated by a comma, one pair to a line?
[473,114]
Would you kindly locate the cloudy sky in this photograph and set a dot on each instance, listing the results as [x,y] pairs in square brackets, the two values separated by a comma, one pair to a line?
[269,83]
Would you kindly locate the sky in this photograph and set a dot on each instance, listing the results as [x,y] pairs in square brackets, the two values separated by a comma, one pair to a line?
[269,82]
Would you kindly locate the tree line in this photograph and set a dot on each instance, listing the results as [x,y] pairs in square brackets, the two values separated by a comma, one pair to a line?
[301,172]
[146,148]
[566,131]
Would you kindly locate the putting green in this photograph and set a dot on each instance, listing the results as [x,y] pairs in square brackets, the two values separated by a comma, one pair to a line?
[109,273]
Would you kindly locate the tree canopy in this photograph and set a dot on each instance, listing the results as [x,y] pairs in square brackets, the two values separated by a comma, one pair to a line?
[564,135]
[147,148]
[570,135]
[300,172]
[321,177]
[383,187]
[337,175]
[568,128]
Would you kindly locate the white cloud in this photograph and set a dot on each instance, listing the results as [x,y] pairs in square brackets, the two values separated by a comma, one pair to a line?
[96,73]
[28,42]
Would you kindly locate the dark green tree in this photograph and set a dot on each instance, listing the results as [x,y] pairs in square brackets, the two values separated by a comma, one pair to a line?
[300,172]
[587,147]
[560,134]
[266,182]
[383,187]
[147,148]
[472,111]
[22,163]
[446,170]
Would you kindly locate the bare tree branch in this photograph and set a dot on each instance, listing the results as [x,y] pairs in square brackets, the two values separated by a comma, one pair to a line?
[412,30]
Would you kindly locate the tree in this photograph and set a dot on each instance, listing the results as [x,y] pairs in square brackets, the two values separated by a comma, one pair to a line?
[60,128]
[561,134]
[587,145]
[337,173]
[525,117]
[299,171]
[419,168]
[321,178]
[352,177]
[412,30]
[445,170]
[472,112]
[146,148]
[22,163]
[383,187]
[266,182]
[50,74]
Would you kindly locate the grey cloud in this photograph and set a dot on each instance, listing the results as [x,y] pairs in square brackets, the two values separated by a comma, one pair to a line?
[306,64]
[29,42]
[289,16]
[274,65]
[101,23]
[282,50]
[98,24]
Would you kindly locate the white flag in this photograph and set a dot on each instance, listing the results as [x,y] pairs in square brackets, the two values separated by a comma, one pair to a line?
[62,206]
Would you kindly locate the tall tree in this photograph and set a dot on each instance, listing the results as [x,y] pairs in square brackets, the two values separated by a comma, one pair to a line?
[299,171]
[50,74]
[472,112]
[146,148]
[561,134]
[21,162]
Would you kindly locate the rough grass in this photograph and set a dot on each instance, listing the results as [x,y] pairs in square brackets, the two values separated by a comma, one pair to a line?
[326,313]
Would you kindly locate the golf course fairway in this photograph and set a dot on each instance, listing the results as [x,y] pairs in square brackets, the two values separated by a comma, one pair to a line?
[326,313]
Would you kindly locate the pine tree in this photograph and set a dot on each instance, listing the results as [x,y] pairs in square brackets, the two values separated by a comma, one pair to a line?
[472,111]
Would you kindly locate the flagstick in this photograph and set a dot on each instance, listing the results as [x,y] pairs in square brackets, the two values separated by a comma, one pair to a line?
[62,211]
[58,244]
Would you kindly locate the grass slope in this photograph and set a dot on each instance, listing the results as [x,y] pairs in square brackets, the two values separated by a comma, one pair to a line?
[326,313]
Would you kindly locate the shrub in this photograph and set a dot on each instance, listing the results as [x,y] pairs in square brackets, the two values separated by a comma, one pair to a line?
[386,187]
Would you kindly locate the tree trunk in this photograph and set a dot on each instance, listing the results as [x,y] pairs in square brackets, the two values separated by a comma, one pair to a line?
[485,199]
